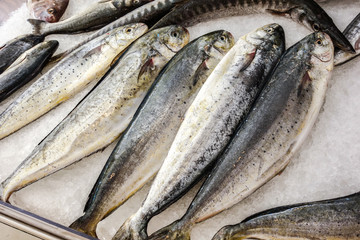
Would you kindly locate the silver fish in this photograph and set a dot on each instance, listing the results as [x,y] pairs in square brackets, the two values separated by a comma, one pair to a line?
[271,134]
[68,77]
[210,121]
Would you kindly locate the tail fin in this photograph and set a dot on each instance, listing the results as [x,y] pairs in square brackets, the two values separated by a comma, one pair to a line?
[171,232]
[37,25]
[131,231]
[83,225]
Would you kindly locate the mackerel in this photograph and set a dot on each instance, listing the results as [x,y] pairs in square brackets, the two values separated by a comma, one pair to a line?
[94,17]
[273,131]
[306,12]
[329,219]
[105,113]
[26,67]
[71,75]
[144,145]
[209,122]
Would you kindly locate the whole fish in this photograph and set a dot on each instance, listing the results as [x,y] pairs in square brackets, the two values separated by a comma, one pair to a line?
[210,121]
[71,75]
[307,12]
[26,67]
[144,145]
[94,17]
[105,113]
[329,219]
[47,10]
[11,50]
[352,32]
[273,131]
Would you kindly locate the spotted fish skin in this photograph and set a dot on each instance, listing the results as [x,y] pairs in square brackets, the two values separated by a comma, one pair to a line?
[26,67]
[352,33]
[47,10]
[94,17]
[71,75]
[329,219]
[104,114]
[273,131]
[209,122]
[144,145]
[306,12]
[11,50]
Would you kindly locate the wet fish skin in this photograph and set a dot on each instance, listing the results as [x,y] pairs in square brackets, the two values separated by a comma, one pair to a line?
[105,113]
[209,122]
[144,145]
[26,67]
[329,219]
[11,50]
[271,134]
[94,17]
[47,10]
[69,76]
[352,32]
[306,12]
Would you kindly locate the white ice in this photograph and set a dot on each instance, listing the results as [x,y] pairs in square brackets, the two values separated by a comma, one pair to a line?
[327,165]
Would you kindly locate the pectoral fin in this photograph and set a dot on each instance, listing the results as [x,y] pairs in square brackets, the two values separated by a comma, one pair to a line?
[248,60]
[149,65]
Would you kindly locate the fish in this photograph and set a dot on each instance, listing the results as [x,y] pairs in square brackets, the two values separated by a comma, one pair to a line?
[306,12]
[68,77]
[104,113]
[143,146]
[351,32]
[221,104]
[273,131]
[11,50]
[26,67]
[47,10]
[337,218]
[92,18]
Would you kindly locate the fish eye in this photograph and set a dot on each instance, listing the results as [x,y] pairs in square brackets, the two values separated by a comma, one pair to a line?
[128,30]
[175,34]
[136,1]
[223,38]
[51,10]
[316,27]
[318,41]
[270,30]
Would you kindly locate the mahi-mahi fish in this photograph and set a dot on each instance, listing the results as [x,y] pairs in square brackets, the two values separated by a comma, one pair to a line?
[11,50]
[273,131]
[328,219]
[93,17]
[210,121]
[26,67]
[47,10]
[68,77]
[144,145]
[104,114]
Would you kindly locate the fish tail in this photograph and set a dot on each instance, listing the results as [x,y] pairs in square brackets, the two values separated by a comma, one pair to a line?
[37,25]
[174,231]
[83,225]
[223,234]
[131,231]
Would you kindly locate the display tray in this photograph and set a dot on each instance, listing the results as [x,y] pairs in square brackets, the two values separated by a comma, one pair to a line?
[327,165]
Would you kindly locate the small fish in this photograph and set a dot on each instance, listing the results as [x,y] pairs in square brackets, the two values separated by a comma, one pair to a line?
[47,10]
[94,17]
[88,63]
[352,32]
[306,12]
[26,67]
[144,145]
[210,121]
[104,114]
[329,219]
[273,131]
[11,50]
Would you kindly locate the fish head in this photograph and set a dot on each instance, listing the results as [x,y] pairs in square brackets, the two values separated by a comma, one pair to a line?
[50,14]
[222,41]
[322,54]
[170,40]
[128,32]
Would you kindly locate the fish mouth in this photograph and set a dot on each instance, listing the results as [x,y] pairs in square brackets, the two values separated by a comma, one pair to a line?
[340,40]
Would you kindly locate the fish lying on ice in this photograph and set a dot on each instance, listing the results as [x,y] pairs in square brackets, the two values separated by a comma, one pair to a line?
[26,67]
[329,219]
[68,77]
[144,145]
[274,129]
[104,114]
[47,10]
[210,121]
[93,17]
[11,50]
